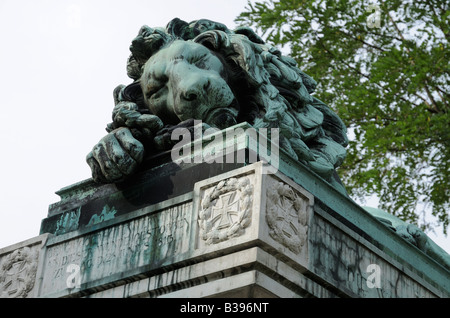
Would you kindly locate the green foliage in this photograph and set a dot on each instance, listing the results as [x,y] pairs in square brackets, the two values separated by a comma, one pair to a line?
[389,84]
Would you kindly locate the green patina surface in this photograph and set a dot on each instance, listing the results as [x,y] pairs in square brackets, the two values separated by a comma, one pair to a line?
[68,221]
[106,214]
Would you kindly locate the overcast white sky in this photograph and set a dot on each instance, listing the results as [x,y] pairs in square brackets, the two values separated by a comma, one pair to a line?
[59,63]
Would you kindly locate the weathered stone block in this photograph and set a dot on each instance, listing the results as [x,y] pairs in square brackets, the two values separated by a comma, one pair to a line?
[141,241]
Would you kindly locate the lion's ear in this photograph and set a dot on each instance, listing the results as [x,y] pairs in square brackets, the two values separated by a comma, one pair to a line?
[217,41]
[148,42]
[179,29]
[240,49]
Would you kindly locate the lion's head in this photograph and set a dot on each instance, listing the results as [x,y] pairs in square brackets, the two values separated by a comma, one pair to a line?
[186,80]
[202,70]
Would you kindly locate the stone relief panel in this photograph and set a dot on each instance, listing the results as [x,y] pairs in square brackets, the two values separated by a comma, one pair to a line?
[18,272]
[287,215]
[226,209]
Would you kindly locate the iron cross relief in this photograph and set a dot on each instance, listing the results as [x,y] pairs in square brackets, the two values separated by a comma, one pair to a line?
[225,210]
[288,217]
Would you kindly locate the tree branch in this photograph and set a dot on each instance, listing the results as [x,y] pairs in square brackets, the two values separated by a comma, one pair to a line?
[430,96]
[362,41]
[427,90]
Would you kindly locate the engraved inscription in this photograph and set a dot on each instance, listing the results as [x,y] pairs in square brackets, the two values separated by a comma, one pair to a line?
[143,241]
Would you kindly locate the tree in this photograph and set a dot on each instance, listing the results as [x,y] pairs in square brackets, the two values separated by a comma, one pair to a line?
[384,69]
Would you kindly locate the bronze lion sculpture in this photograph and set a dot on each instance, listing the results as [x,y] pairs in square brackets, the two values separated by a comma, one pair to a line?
[204,71]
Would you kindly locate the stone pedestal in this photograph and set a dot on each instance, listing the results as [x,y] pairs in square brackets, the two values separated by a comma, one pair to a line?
[216,230]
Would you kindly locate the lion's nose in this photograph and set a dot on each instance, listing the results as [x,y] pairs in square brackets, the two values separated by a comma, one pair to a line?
[195,88]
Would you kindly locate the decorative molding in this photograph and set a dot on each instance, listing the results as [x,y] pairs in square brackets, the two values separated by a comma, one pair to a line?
[18,272]
[226,210]
[287,214]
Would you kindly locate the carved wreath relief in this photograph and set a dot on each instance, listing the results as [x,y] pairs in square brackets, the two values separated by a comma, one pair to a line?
[18,273]
[226,210]
[287,214]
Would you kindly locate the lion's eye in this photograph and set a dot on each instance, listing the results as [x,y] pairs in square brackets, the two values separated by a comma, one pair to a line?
[200,64]
[150,92]
[155,85]
[199,60]
[153,89]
